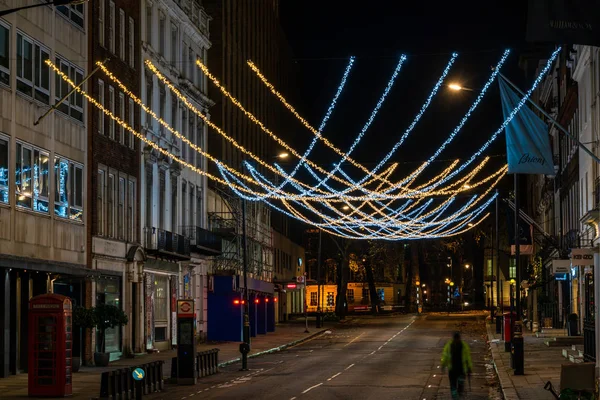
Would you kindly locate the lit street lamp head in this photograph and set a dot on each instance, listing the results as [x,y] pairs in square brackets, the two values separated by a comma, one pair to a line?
[456,87]
[283,155]
[346,208]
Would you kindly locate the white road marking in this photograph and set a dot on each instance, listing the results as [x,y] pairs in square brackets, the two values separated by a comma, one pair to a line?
[338,374]
[354,339]
[373,352]
[312,387]
[379,348]
[293,398]
[349,366]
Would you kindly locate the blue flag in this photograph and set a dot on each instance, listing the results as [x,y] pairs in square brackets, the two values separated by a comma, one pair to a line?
[527,142]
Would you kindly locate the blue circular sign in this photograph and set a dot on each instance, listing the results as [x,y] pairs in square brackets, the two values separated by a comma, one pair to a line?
[138,374]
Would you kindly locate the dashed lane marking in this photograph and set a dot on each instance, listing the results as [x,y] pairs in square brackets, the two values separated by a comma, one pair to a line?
[338,374]
[349,366]
[312,387]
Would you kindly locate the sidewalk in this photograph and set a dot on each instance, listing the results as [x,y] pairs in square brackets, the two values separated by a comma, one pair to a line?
[542,364]
[86,382]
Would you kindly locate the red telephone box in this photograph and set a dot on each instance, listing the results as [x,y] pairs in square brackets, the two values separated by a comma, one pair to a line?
[50,346]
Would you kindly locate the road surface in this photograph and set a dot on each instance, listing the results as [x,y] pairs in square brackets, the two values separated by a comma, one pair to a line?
[375,358]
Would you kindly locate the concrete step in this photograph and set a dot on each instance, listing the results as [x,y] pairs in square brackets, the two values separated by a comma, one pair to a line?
[572,355]
[564,341]
[551,333]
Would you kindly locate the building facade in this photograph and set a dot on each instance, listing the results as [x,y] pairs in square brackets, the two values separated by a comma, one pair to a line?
[173,206]
[114,172]
[242,32]
[289,263]
[43,202]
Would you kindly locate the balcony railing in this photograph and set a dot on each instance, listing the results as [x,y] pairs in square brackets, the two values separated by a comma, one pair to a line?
[167,243]
[203,241]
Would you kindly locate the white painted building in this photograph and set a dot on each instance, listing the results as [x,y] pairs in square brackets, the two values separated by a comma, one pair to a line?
[173,205]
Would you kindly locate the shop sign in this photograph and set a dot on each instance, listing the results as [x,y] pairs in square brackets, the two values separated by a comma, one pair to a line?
[582,256]
[561,267]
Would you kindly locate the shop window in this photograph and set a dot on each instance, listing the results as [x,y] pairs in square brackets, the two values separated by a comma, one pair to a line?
[313,298]
[490,269]
[365,293]
[4,169]
[109,292]
[350,296]
[512,269]
[330,299]
[131,202]
[68,194]
[160,334]
[161,296]
[31,180]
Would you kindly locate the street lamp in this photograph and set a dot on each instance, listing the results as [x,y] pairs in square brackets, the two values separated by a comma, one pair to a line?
[282,155]
[346,207]
[55,3]
[457,88]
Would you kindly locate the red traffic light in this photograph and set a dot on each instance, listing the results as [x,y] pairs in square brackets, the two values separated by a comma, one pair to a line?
[236,302]
[267,300]
[275,299]
[256,301]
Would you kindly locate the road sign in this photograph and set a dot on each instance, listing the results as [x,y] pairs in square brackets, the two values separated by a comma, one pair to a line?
[300,279]
[138,374]
[185,308]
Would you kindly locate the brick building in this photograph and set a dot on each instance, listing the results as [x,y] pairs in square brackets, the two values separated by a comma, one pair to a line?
[114,167]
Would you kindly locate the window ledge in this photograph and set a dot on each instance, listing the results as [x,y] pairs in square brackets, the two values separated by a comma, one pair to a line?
[70,221]
[33,212]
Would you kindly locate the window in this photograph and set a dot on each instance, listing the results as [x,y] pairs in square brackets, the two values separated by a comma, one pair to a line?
[162,105]
[68,193]
[110,206]
[198,207]
[33,74]
[122,117]
[350,295]
[161,291]
[149,24]
[162,33]
[122,34]
[174,204]
[31,178]
[184,57]
[100,201]
[199,141]
[313,298]
[131,43]
[74,13]
[121,210]
[100,112]
[131,123]
[111,27]
[73,105]
[174,41]
[190,210]
[131,201]
[111,107]
[191,65]
[101,16]
[365,294]
[4,169]
[183,133]
[4,54]
[512,269]
[490,268]
[330,299]
[190,131]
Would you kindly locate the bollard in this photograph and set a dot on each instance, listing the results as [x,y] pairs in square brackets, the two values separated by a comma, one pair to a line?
[499,324]
[518,350]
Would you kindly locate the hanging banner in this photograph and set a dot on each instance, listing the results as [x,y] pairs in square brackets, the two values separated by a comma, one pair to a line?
[564,21]
[527,141]
[525,234]
[582,256]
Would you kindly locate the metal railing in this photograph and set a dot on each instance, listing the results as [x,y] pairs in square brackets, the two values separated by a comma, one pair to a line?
[202,238]
[163,240]
[207,363]
[119,383]
[589,340]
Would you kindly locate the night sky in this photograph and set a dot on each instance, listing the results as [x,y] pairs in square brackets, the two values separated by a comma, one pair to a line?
[323,34]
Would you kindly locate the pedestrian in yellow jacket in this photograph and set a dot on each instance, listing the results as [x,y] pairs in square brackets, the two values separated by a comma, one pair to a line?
[457,358]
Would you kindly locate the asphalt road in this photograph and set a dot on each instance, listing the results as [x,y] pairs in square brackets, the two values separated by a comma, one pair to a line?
[373,358]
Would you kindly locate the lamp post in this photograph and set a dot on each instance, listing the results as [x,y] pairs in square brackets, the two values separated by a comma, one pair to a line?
[246,329]
[55,3]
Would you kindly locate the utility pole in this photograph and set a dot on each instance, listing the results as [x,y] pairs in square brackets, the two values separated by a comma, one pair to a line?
[246,328]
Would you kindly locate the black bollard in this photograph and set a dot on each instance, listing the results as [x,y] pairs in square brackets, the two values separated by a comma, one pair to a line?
[518,350]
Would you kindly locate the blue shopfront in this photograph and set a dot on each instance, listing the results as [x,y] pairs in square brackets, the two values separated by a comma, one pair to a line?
[226,308]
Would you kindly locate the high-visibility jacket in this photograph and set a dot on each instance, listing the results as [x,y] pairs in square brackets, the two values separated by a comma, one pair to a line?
[466,357]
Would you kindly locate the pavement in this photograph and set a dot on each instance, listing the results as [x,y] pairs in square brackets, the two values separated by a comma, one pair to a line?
[86,382]
[372,358]
[542,364]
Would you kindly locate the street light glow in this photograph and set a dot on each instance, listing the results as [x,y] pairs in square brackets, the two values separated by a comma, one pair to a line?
[283,155]
[346,207]
[456,87]
[467,266]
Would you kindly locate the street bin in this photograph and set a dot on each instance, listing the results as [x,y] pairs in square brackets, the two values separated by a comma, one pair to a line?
[518,351]
[508,318]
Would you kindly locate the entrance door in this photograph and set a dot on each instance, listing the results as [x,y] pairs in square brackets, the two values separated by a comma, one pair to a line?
[589,327]
[135,315]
